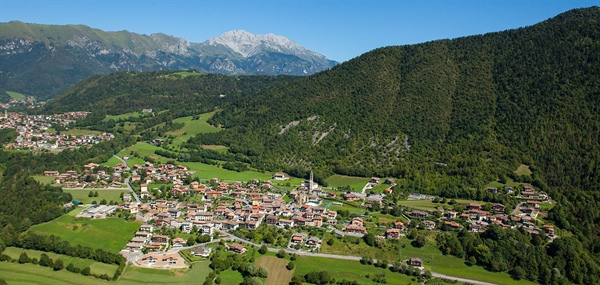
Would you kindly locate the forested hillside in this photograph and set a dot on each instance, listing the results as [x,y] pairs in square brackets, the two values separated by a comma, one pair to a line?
[124,92]
[472,108]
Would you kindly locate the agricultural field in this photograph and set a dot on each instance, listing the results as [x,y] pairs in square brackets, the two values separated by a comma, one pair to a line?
[15,273]
[356,183]
[428,205]
[24,274]
[80,132]
[109,234]
[108,195]
[15,95]
[347,269]
[96,267]
[278,273]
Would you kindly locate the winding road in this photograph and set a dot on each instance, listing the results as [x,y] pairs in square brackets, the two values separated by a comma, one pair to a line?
[127,181]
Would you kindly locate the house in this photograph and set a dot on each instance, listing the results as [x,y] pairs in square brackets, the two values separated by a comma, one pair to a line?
[415,261]
[163,260]
[202,251]
[213,194]
[279,176]
[392,233]
[474,228]
[286,222]
[237,248]
[350,197]
[271,220]
[51,173]
[498,208]
[375,180]
[297,238]
[399,225]
[451,215]
[430,225]
[357,222]
[419,214]
[162,239]
[474,206]
[493,190]
[178,242]
[452,225]
[355,229]
[313,242]
[534,204]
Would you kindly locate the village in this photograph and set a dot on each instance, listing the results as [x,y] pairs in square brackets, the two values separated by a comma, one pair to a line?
[38,132]
[212,208]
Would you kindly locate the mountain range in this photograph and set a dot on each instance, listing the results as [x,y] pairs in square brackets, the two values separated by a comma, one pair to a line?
[44,60]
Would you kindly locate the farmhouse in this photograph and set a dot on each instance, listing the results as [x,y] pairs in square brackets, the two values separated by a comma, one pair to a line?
[415,261]
[237,248]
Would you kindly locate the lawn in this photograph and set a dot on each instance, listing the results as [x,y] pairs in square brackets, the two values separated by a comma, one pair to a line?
[96,267]
[15,95]
[278,273]
[109,234]
[356,183]
[346,269]
[108,195]
[44,179]
[192,127]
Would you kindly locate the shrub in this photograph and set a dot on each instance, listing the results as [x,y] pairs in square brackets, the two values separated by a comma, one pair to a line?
[290,265]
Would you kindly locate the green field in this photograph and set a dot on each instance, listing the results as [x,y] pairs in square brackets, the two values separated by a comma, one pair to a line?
[15,273]
[123,116]
[109,234]
[192,127]
[523,170]
[144,150]
[428,205]
[356,183]
[82,195]
[15,95]
[431,256]
[184,74]
[96,267]
[80,132]
[207,171]
[346,269]
[112,161]
[278,273]
[44,179]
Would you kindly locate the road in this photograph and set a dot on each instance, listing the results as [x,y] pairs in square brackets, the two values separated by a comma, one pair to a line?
[348,257]
[127,181]
[514,212]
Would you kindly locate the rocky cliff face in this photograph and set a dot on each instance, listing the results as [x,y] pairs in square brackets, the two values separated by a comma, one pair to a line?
[44,60]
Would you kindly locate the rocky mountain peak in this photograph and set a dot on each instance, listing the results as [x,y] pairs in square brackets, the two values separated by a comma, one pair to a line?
[247,44]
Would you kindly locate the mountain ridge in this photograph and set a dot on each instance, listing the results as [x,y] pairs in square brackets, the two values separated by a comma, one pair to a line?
[54,57]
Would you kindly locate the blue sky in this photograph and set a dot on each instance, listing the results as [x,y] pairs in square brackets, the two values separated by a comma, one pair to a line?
[339,29]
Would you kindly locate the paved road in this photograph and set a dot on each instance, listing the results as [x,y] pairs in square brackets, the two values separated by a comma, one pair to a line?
[348,257]
[514,212]
[127,180]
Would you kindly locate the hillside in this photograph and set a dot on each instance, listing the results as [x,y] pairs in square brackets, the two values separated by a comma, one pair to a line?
[124,92]
[471,109]
[44,60]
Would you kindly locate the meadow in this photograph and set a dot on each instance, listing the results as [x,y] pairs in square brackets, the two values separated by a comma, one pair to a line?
[355,183]
[112,161]
[15,95]
[110,234]
[96,267]
[192,127]
[44,179]
[15,273]
[278,273]
[108,195]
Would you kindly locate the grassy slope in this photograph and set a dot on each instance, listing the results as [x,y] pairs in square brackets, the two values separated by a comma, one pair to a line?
[15,273]
[345,269]
[108,234]
[278,273]
[96,267]
[15,95]
[44,179]
[192,128]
